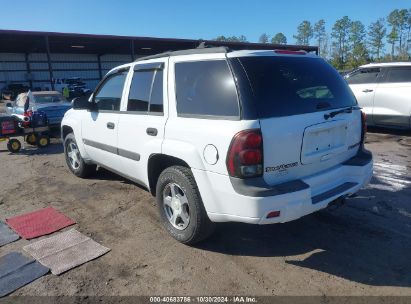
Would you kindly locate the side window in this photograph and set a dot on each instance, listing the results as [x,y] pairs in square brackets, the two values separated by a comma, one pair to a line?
[146,91]
[156,101]
[206,88]
[139,96]
[364,76]
[399,75]
[108,96]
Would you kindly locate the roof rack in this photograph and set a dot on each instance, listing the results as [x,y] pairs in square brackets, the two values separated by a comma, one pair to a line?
[201,49]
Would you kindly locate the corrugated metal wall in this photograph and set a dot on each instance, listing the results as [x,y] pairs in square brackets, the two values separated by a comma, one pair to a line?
[15,69]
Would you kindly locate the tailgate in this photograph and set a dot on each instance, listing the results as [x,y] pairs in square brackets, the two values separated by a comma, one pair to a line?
[299,146]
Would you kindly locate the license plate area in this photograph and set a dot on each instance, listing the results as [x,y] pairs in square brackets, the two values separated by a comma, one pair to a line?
[323,141]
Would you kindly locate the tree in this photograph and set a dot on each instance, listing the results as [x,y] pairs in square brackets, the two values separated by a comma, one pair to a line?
[279,38]
[376,34]
[263,38]
[340,33]
[358,51]
[320,35]
[242,38]
[392,38]
[304,33]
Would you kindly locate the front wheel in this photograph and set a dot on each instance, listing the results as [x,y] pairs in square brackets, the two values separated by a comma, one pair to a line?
[74,160]
[180,206]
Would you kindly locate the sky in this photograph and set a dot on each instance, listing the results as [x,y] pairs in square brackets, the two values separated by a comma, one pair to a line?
[186,19]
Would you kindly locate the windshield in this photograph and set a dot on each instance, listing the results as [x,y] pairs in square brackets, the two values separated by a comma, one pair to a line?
[49,98]
[283,86]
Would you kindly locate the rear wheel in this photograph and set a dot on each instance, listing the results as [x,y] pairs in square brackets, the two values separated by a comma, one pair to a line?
[74,160]
[31,139]
[14,145]
[43,141]
[180,206]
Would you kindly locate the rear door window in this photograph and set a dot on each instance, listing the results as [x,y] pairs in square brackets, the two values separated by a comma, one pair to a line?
[283,86]
[206,88]
[364,76]
[399,75]
[146,92]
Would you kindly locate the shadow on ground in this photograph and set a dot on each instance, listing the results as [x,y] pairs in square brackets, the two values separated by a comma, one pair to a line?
[347,242]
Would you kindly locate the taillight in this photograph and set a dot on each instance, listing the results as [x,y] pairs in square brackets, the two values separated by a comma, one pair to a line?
[245,155]
[363,126]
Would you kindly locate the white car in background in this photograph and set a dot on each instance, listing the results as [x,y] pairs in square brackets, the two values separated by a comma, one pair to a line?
[383,90]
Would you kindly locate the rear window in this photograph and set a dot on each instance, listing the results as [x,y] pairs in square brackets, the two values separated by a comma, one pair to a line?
[206,88]
[283,86]
[399,75]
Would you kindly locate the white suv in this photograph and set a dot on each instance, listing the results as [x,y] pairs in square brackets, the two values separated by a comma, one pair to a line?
[216,135]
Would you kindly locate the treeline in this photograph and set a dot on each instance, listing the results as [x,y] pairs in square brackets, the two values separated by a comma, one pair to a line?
[350,43]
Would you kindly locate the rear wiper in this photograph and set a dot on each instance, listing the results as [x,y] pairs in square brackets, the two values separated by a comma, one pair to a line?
[335,113]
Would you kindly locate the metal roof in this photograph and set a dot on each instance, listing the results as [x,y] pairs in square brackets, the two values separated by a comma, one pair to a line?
[13,41]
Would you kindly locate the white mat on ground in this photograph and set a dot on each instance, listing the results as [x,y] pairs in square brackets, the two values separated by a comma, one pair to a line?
[65,251]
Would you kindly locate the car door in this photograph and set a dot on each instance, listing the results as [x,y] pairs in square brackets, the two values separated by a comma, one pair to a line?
[142,120]
[100,125]
[363,82]
[392,102]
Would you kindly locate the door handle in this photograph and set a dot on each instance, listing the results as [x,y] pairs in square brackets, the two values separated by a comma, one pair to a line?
[110,125]
[367,91]
[152,131]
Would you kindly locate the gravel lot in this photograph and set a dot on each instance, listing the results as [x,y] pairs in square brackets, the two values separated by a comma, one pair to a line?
[361,248]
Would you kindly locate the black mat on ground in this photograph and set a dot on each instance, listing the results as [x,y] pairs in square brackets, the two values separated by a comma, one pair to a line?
[16,270]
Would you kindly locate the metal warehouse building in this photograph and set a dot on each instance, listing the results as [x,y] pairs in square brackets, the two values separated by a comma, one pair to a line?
[37,58]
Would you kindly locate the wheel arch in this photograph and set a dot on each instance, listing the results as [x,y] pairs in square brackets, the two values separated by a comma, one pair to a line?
[156,164]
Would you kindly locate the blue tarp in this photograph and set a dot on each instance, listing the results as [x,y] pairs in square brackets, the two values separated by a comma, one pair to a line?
[16,270]
[7,235]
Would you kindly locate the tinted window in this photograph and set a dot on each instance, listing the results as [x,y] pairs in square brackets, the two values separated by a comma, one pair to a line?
[156,100]
[399,75]
[139,96]
[146,91]
[108,96]
[206,88]
[283,86]
[363,76]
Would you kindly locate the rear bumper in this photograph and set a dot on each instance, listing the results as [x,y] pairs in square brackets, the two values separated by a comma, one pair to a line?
[225,200]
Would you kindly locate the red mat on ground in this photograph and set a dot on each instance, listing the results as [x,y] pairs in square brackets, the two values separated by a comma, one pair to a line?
[38,223]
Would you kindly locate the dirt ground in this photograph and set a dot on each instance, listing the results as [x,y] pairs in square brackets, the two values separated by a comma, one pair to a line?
[361,248]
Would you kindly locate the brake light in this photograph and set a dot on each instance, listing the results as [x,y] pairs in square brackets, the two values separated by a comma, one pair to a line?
[363,126]
[288,52]
[245,155]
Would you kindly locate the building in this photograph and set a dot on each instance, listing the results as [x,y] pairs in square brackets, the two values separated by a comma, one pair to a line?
[37,58]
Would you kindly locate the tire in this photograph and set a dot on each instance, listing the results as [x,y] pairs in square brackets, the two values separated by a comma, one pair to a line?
[74,161]
[14,145]
[31,139]
[191,223]
[43,141]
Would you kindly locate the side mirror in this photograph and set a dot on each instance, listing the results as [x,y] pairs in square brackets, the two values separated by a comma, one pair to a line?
[82,103]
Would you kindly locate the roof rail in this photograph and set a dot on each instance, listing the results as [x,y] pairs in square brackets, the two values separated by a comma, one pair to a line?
[201,49]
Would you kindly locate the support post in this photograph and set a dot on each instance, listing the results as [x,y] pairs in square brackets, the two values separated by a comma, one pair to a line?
[49,61]
[100,72]
[132,49]
[28,69]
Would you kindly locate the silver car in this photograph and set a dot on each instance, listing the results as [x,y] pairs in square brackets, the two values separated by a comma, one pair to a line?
[50,102]
[383,90]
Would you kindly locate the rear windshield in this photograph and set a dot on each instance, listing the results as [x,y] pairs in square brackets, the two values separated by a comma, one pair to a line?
[283,86]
